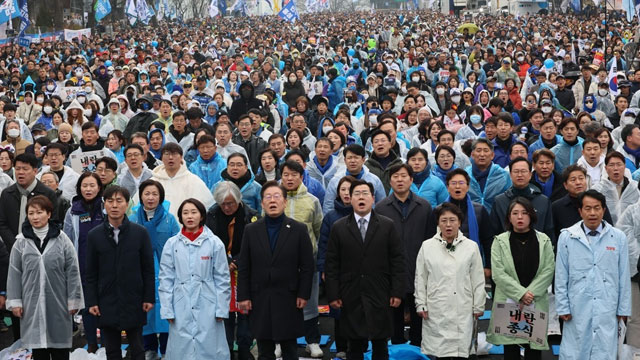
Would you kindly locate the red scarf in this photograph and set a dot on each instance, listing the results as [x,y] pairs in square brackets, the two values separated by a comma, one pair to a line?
[192,235]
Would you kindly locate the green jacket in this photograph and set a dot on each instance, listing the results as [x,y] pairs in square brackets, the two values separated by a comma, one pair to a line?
[508,286]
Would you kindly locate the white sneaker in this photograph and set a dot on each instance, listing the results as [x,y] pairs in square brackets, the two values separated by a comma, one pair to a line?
[151,355]
[341,355]
[314,350]
[278,351]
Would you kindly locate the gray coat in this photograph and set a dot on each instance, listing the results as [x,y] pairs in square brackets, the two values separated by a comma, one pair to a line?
[126,180]
[541,203]
[46,298]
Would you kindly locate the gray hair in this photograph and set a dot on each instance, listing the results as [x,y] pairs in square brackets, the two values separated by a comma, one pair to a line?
[224,189]
[481,141]
[55,176]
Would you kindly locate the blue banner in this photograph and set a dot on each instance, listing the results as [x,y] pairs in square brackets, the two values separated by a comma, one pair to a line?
[222,6]
[289,12]
[23,41]
[102,9]
[24,16]
[9,9]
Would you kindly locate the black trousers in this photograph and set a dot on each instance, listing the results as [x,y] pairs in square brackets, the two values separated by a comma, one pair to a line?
[342,343]
[112,341]
[267,349]
[379,348]
[512,352]
[415,330]
[50,354]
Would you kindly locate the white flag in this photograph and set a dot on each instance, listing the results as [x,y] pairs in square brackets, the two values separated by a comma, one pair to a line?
[213,8]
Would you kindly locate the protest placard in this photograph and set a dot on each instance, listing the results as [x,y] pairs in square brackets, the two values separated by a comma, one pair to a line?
[86,161]
[527,323]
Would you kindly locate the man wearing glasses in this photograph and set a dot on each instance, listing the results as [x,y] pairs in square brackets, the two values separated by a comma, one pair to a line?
[275,273]
[135,173]
[55,153]
[520,172]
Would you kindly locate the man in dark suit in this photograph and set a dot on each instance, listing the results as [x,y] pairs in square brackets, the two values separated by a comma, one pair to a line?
[120,276]
[365,274]
[414,224]
[275,273]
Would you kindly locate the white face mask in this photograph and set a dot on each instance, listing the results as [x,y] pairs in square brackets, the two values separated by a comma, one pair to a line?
[47,109]
[326,129]
[87,112]
[40,100]
[627,120]
[439,91]
[389,61]
[292,79]
[82,99]
[520,58]
[456,99]
[88,90]
[51,87]
[546,109]
[14,133]
[603,92]
[415,78]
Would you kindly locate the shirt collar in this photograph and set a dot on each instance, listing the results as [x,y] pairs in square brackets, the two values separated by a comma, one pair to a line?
[366,217]
[587,230]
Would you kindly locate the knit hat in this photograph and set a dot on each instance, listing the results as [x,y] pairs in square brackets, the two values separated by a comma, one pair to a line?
[65,127]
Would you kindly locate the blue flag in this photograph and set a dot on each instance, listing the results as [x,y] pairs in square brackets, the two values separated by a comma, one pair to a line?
[24,17]
[222,6]
[575,5]
[9,9]
[289,12]
[102,9]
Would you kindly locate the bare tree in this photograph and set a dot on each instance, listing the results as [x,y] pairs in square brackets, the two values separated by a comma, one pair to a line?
[181,7]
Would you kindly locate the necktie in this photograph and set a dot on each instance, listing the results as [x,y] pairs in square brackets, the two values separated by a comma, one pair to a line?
[593,233]
[363,227]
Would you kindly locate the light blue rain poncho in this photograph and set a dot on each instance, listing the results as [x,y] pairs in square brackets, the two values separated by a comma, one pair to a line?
[210,171]
[161,227]
[593,285]
[498,181]
[566,154]
[195,289]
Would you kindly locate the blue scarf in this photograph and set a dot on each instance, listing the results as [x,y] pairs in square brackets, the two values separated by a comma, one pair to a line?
[151,225]
[547,187]
[634,153]
[419,178]
[442,174]
[327,166]
[359,176]
[474,233]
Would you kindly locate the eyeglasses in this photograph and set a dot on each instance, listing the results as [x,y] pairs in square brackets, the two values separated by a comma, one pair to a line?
[133,155]
[273,197]
[457,183]
[361,193]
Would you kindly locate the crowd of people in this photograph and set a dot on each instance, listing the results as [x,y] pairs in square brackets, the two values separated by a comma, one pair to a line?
[199,185]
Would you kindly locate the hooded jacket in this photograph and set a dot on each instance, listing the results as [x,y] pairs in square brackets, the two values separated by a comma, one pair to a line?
[243,104]
[118,120]
[29,113]
[182,185]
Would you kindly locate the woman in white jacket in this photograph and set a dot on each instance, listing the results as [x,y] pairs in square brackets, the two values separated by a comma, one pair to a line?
[449,287]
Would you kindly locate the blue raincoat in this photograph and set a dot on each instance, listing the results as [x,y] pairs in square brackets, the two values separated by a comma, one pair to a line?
[594,286]
[498,181]
[432,189]
[566,154]
[195,289]
[211,119]
[209,170]
[161,227]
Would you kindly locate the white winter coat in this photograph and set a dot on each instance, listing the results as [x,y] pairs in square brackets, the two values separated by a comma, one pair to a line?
[449,285]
